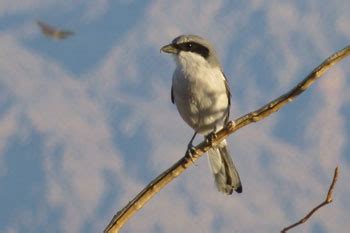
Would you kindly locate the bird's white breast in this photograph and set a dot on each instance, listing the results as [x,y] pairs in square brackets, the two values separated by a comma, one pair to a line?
[200,93]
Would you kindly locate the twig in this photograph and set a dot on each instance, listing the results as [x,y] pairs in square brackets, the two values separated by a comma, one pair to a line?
[180,166]
[329,199]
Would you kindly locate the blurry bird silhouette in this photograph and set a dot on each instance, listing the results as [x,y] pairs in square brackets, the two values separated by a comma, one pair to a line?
[54,32]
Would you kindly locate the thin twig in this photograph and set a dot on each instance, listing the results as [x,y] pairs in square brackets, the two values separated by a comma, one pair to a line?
[329,199]
[180,166]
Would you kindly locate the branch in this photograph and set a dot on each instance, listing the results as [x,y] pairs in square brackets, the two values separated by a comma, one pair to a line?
[329,199]
[180,166]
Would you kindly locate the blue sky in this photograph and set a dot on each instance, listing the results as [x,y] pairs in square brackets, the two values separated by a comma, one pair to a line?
[87,122]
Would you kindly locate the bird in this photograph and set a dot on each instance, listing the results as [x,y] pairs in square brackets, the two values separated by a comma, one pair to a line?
[202,96]
[53,32]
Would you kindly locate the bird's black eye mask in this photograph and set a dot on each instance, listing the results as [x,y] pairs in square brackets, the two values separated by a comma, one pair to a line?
[193,47]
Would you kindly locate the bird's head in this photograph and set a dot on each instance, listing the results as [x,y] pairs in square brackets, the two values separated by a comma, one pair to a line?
[192,47]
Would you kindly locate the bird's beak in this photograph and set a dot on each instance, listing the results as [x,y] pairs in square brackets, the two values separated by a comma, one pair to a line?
[169,49]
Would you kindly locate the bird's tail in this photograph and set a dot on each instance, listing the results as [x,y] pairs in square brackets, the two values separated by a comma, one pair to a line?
[225,173]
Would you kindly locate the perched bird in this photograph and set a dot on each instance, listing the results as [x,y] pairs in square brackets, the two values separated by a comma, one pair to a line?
[202,97]
[53,32]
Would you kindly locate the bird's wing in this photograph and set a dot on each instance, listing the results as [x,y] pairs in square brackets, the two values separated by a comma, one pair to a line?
[172,95]
[45,28]
[228,93]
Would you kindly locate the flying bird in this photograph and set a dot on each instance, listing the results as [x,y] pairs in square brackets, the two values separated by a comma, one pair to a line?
[202,97]
[53,32]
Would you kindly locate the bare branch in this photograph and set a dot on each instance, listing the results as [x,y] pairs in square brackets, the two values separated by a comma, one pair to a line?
[180,166]
[329,199]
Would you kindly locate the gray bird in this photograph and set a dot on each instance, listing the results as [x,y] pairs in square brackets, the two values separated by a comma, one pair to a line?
[53,32]
[202,96]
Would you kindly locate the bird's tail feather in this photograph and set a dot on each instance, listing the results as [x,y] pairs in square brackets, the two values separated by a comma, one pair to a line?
[225,173]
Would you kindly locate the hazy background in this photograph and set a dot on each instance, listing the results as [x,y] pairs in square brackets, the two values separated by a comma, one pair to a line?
[87,122]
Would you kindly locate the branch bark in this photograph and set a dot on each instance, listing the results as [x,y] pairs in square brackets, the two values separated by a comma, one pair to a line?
[180,166]
[329,199]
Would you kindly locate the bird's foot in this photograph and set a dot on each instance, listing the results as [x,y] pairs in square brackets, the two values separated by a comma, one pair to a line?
[190,152]
[210,138]
[231,124]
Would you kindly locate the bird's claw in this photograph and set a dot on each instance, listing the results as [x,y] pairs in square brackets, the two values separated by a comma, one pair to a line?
[210,138]
[231,124]
[191,150]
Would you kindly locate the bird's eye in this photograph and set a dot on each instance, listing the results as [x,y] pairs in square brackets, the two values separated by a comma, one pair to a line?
[193,47]
[189,46]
